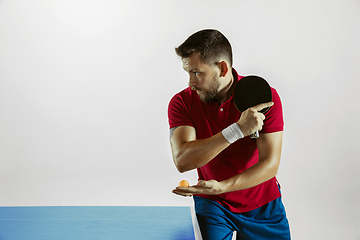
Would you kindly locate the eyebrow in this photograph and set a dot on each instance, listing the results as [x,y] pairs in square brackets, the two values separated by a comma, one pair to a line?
[194,70]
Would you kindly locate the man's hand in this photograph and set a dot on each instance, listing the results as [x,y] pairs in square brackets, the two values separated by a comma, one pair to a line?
[211,187]
[252,120]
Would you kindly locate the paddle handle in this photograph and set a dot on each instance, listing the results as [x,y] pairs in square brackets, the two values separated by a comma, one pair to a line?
[255,134]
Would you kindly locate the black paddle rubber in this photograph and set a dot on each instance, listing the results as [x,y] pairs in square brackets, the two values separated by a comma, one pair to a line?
[251,91]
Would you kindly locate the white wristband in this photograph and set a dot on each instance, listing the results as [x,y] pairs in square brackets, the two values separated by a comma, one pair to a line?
[232,133]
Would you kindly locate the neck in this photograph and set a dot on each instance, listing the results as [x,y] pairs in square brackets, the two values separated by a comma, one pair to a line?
[227,91]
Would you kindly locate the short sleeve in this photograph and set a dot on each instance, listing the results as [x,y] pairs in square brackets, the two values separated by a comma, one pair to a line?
[274,121]
[178,112]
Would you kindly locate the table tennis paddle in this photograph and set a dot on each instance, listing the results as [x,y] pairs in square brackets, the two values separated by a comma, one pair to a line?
[251,91]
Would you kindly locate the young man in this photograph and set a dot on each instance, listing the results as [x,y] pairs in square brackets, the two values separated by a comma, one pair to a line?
[237,188]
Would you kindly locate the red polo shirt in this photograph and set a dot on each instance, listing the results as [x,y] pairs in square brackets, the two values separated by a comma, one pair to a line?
[186,108]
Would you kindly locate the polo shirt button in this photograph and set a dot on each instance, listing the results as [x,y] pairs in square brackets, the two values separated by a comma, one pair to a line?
[221,109]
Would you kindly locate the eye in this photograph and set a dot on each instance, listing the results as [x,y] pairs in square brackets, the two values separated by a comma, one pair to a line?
[197,74]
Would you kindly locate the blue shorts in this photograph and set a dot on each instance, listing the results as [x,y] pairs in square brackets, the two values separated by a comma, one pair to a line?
[266,222]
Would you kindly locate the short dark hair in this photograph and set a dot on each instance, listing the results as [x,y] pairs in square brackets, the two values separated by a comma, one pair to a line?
[209,43]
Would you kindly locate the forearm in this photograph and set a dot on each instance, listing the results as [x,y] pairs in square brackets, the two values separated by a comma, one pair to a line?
[269,147]
[196,153]
[261,172]
[251,177]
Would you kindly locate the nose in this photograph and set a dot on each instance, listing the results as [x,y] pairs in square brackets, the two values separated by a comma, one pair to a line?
[192,81]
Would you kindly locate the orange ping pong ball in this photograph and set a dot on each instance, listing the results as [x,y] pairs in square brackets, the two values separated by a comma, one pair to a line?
[183,183]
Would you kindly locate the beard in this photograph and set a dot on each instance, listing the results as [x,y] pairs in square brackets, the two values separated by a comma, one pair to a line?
[210,95]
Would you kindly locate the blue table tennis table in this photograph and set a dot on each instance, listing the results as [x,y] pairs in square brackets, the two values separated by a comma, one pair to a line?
[92,223]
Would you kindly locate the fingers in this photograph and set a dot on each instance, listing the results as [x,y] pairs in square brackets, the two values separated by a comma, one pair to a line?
[206,184]
[185,191]
[210,187]
[252,120]
[261,106]
[202,183]
[181,193]
[259,115]
[190,191]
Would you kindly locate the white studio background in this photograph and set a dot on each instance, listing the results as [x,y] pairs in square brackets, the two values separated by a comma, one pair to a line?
[84,89]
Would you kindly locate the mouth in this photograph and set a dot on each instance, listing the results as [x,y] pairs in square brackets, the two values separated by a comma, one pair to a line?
[198,90]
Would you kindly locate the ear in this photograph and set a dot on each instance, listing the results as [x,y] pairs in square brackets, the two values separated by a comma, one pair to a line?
[223,66]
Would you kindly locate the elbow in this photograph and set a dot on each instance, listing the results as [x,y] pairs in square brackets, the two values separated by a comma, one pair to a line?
[181,170]
[275,171]
[181,167]
[274,167]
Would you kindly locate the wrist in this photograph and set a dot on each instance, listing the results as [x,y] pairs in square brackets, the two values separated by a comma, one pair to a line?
[231,184]
[232,133]
[224,186]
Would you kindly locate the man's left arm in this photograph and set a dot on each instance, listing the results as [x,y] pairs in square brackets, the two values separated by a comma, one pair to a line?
[269,146]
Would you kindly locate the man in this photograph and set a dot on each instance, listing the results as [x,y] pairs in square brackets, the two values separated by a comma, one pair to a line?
[237,188]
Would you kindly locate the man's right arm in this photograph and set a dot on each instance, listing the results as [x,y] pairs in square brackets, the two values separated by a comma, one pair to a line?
[189,153]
